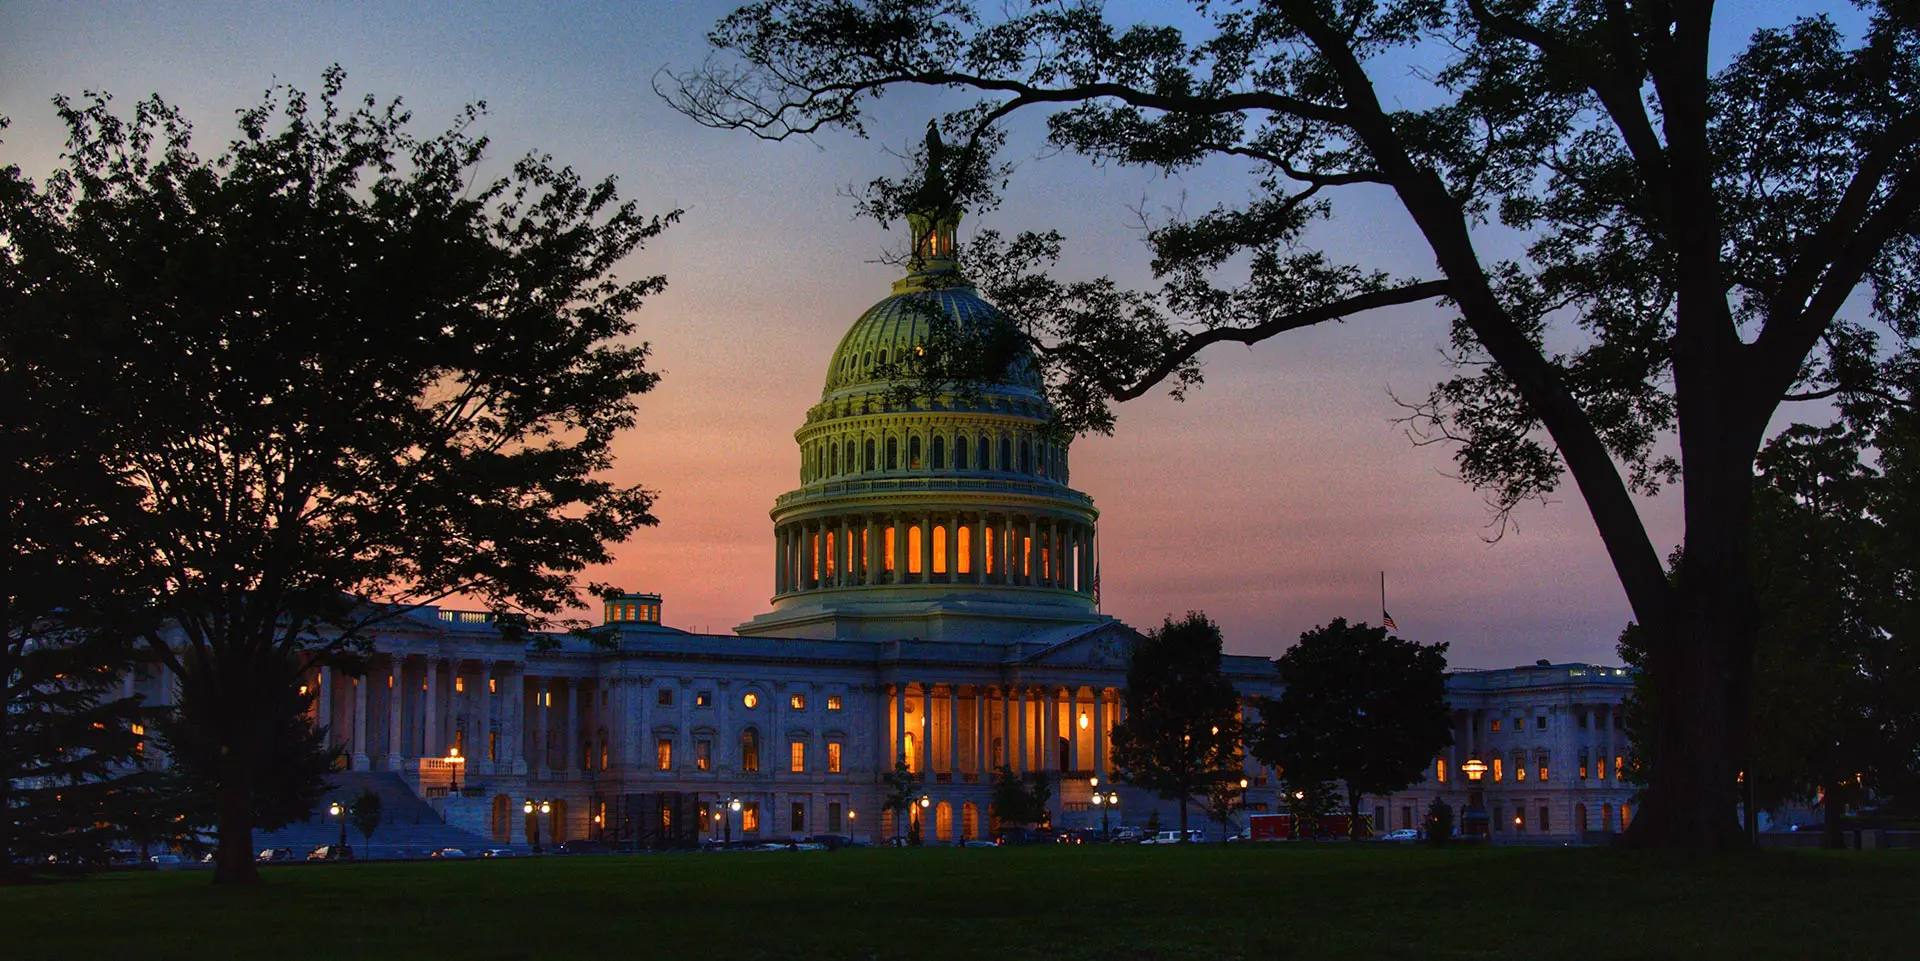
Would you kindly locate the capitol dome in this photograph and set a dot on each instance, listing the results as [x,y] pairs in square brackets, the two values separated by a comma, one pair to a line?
[944,517]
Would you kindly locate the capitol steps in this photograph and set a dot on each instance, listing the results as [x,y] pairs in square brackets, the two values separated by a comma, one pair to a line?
[409,826]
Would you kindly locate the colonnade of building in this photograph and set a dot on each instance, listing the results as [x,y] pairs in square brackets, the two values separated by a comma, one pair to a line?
[952,546]
[416,712]
[957,730]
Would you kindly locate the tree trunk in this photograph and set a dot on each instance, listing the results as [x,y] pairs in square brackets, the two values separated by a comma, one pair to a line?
[1183,819]
[1700,662]
[1353,815]
[233,855]
[1831,811]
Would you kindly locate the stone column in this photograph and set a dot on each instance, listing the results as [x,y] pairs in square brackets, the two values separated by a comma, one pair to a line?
[323,704]
[899,725]
[537,761]
[874,540]
[779,560]
[846,554]
[1026,753]
[430,738]
[572,753]
[953,731]
[1100,731]
[981,736]
[1049,726]
[480,750]
[1608,770]
[977,549]
[1073,728]
[396,701]
[926,548]
[360,760]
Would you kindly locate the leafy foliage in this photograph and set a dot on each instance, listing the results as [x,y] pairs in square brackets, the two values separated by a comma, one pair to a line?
[902,786]
[365,811]
[1182,729]
[343,375]
[1019,800]
[1358,706]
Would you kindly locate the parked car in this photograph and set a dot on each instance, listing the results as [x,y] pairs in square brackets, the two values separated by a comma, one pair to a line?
[1013,836]
[833,842]
[332,852]
[1404,834]
[497,853]
[1129,835]
[268,855]
[167,861]
[448,854]
[977,843]
[1173,837]
[583,846]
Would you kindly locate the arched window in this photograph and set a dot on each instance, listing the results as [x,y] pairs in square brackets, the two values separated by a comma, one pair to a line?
[969,821]
[883,355]
[836,459]
[750,750]
[1580,818]
[939,453]
[893,453]
[913,452]
[943,822]
[963,548]
[867,361]
[1026,457]
[960,453]
[913,549]
[940,549]
[1006,456]
[869,453]
[853,457]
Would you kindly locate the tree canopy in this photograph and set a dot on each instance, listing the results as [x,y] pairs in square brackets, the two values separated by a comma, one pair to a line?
[1182,727]
[1699,223]
[345,372]
[1359,706]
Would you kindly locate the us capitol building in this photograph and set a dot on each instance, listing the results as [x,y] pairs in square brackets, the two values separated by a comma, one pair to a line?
[933,601]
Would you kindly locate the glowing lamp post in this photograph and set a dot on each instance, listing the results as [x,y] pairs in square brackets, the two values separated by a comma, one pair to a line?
[1105,802]
[338,810]
[545,808]
[454,763]
[733,805]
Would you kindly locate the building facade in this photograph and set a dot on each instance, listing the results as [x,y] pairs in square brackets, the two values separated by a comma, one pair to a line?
[934,603]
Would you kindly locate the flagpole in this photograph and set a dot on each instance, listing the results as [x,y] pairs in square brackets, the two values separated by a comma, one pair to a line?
[1383,596]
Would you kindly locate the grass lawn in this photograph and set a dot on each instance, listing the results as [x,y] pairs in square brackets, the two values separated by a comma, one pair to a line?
[1266,901]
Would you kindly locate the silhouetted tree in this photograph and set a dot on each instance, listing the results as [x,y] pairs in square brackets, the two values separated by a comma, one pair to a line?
[345,375]
[1183,717]
[365,811]
[1018,800]
[902,784]
[1358,706]
[1698,219]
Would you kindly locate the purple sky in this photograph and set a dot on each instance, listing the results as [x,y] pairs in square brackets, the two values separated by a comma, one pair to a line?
[1270,499]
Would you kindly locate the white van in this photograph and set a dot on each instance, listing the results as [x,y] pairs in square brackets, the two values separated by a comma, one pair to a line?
[1173,837]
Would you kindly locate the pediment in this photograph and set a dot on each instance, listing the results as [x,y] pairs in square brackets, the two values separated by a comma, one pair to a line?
[1101,647]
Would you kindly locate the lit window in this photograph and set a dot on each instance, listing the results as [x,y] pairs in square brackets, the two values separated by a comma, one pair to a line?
[1440,770]
[833,757]
[1583,765]
[749,750]
[750,700]
[493,745]
[663,753]
[665,697]
[750,815]
[798,823]
[1519,770]
[703,754]
[139,731]
[913,549]
[1496,725]
[1626,816]
[459,685]
[493,685]
[703,699]
[1543,770]
[833,702]
[1619,768]
[1498,772]
[798,702]
[940,549]
[798,757]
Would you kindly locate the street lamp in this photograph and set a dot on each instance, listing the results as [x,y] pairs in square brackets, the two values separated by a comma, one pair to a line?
[339,810]
[454,763]
[1474,820]
[1105,802]
[545,808]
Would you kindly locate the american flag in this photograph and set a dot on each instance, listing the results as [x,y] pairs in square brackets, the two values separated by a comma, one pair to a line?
[1386,620]
[1096,585]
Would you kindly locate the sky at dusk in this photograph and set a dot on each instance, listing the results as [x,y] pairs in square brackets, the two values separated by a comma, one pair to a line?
[1271,498]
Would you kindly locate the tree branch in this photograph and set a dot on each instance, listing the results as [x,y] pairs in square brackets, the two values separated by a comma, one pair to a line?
[1192,345]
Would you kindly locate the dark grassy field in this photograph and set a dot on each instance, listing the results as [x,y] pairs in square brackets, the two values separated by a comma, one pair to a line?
[1247,901]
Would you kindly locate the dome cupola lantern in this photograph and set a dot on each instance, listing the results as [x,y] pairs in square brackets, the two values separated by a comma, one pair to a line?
[933,215]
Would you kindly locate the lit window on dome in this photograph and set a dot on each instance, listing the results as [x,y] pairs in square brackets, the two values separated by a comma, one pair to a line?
[940,549]
[888,552]
[913,549]
[965,548]
[989,551]
[913,452]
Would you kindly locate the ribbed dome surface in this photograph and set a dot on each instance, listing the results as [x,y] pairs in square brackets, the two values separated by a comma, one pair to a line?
[894,327]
